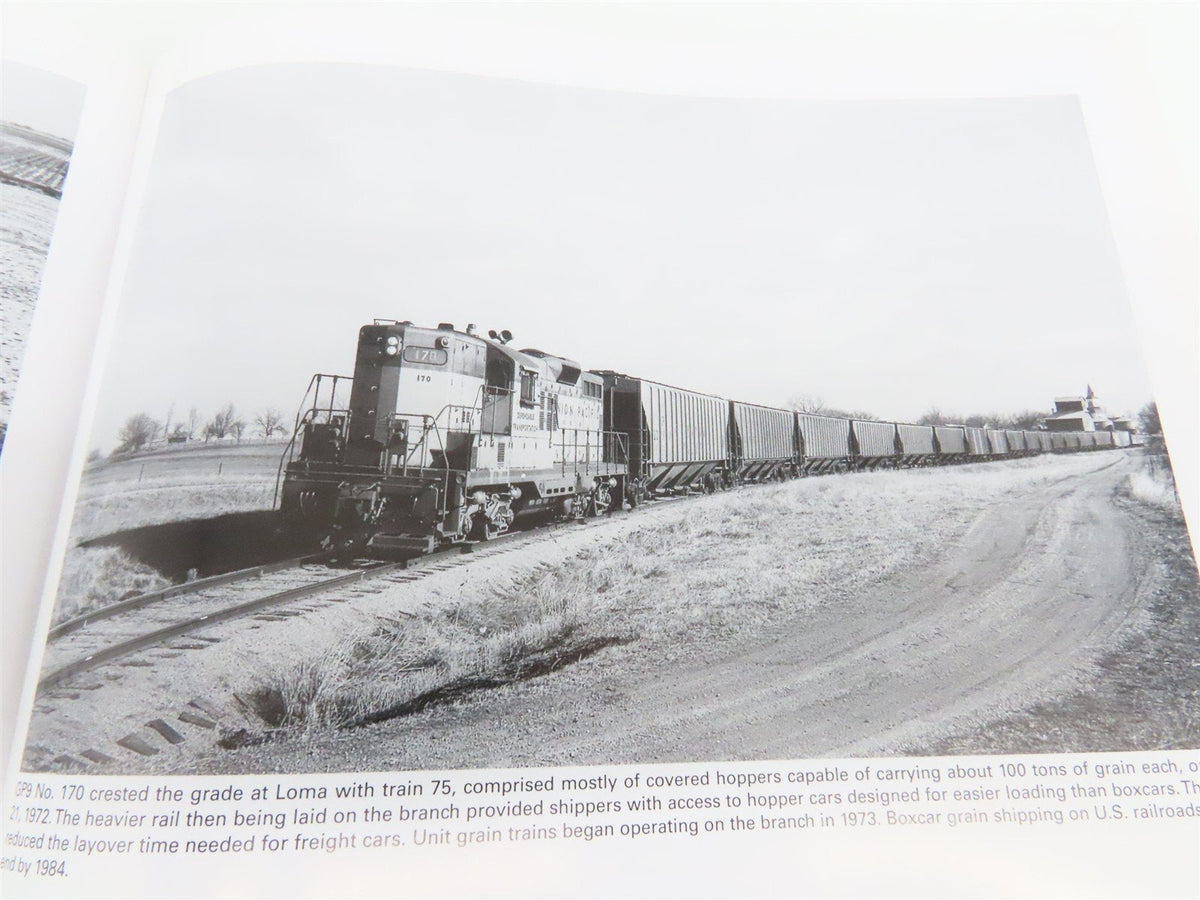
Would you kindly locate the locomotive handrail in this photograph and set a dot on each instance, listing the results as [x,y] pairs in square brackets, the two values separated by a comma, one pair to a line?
[286,455]
[605,440]
[302,415]
[429,423]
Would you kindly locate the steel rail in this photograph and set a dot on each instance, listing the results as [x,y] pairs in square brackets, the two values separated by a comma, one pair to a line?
[176,590]
[150,639]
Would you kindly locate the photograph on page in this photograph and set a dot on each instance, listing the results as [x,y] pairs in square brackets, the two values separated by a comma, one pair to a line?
[454,422]
[39,114]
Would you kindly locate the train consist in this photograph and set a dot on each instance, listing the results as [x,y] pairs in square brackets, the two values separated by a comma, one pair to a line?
[445,436]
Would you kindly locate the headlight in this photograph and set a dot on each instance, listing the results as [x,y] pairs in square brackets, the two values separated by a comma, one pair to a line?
[390,349]
[393,341]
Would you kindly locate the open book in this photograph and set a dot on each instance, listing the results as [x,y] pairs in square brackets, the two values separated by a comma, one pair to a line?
[488,467]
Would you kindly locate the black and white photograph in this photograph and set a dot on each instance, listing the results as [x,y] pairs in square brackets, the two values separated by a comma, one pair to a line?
[39,113]
[458,422]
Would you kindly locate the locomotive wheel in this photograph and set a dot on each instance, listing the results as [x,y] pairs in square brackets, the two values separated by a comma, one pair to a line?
[598,502]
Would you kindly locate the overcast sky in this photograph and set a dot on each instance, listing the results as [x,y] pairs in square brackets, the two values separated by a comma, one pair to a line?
[46,102]
[887,256]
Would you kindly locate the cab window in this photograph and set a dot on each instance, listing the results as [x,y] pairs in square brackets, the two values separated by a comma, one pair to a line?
[528,388]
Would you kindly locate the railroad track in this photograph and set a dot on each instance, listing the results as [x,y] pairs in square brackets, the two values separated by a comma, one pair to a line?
[168,617]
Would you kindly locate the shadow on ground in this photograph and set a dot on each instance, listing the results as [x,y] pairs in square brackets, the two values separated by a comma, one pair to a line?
[209,546]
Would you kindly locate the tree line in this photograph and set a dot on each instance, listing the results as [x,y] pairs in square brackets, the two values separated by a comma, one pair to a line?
[142,430]
[1025,420]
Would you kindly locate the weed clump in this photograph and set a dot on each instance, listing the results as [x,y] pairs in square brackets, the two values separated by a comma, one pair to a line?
[400,665]
[94,577]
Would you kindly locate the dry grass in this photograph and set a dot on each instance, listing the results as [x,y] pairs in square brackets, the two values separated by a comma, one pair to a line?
[113,510]
[1155,482]
[97,576]
[193,482]
[399,660]
[115,496]
[736,562]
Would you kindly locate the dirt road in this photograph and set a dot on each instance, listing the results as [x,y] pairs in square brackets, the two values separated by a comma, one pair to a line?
[1041,583]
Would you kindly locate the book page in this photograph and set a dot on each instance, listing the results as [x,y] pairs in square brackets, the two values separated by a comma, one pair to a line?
[82,88]
[830,519]
[33,170]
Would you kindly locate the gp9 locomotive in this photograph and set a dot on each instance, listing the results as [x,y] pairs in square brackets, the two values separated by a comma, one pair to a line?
[446,437]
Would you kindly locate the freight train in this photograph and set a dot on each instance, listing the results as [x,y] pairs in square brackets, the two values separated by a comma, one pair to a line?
[446,437]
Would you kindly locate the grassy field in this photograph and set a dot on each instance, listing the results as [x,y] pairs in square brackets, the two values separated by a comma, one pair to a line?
[25,230]
[190,482]
[734,565]
[196,481]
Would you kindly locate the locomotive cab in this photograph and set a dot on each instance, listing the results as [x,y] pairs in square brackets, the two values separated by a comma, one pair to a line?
[414,393]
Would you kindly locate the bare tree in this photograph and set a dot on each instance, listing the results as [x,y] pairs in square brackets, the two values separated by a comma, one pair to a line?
[1024,420]
[1148,419]
[193,423]
[236,428]
[136,433]
[270,421]
[933,416]
[808,403]
[221,425]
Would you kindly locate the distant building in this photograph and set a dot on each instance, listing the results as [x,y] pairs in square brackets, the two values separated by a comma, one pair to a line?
[1084,414]
[1124,423]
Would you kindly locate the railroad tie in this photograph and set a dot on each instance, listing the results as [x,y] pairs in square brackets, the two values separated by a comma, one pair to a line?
[192,718]
[169,734]
[96,756]
[137,745]
[207,707]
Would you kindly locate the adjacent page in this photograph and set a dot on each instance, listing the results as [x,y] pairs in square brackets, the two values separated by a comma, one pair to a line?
[41,114]
[498,476]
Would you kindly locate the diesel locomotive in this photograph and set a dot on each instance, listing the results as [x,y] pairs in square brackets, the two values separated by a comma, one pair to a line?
[447,436]
[444,436]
